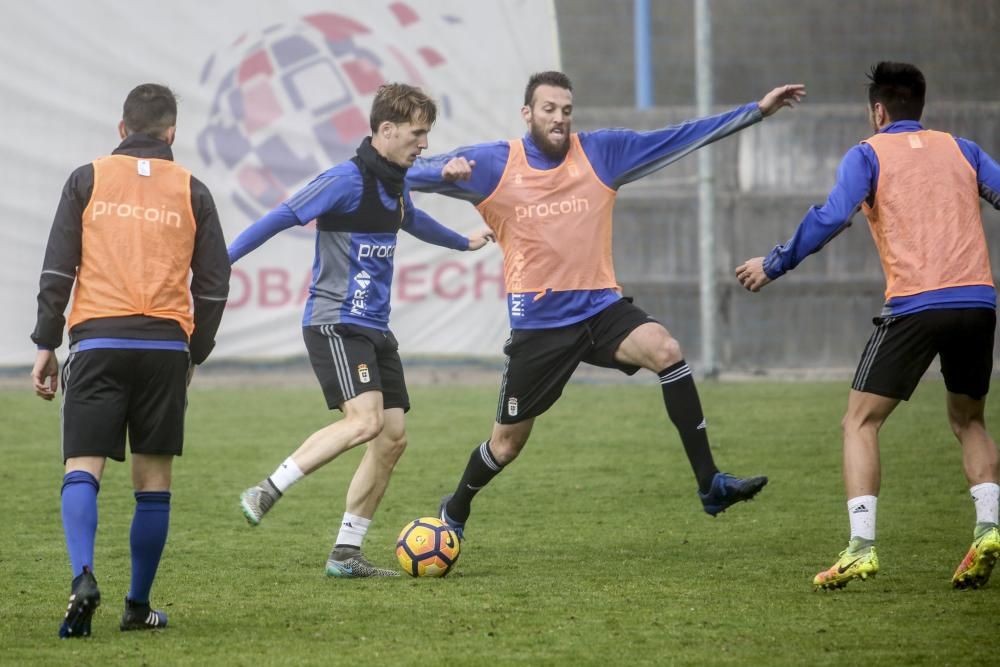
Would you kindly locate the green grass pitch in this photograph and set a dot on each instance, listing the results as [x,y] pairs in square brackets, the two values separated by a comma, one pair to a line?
[590,549]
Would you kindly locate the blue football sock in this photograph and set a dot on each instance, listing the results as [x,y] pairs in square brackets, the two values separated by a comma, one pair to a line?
[79,515]
[147,538]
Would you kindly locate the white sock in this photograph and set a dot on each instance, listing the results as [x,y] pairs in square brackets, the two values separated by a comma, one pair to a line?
[286,474]
[352,530]
[861,511]
[986,497]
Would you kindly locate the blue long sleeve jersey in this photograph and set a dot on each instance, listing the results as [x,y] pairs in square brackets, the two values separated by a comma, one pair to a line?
[352,270]
[618,156]
[857,177]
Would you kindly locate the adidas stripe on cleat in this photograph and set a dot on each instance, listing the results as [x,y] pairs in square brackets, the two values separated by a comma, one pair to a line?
[84,599]
[975,569]
[139,616]
[851,565]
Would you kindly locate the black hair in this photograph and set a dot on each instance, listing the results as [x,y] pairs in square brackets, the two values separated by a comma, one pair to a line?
[899,87]
[150,109]
[551,78]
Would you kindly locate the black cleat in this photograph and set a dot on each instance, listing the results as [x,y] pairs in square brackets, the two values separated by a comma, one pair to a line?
[727,490]
[139,616]
[84,599]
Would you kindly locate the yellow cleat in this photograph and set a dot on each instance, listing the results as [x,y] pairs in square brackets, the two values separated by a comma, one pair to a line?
[851,565]
[975,569]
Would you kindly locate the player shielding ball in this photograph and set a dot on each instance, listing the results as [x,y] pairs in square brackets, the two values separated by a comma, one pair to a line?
[920,191]
[359,207]
[549,198]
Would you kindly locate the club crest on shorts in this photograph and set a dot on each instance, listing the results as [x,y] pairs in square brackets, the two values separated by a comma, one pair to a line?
[363,373]
[512,407]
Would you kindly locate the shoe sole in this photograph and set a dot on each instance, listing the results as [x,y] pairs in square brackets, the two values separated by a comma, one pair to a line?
[81,611]
[842,583]
[337,572]
[251,518]
[863,575]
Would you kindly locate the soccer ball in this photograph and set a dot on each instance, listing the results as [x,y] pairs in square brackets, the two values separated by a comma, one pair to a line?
[427,547]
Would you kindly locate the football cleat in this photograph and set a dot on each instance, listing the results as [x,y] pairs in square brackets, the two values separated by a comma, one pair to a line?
[975,569]
[727,490]
[84,599]
[353,565]
[859,564]
[139,616]
[257,500]
[459,528]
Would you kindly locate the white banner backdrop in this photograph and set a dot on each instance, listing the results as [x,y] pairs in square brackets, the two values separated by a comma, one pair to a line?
[271,93]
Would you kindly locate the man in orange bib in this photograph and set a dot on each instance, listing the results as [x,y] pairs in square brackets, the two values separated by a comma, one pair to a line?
[140,238]
[920,191]
[549,197]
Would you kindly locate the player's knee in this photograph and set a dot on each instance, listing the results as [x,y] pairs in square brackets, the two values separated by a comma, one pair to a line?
[963,424]
[506,449]
[394,447]
[368,425]
[667,353]
[855,422]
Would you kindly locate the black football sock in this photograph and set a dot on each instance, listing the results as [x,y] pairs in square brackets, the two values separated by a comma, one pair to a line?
[481,469]
[684,408]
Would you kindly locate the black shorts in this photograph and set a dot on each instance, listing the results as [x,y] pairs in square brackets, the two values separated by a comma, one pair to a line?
[107,392]
[541,361]
[902,348]
[349,360]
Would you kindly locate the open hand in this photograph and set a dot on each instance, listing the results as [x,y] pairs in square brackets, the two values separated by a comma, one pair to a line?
[783,96]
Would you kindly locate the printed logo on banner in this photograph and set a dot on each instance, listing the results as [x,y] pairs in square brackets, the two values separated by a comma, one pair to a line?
[293,99]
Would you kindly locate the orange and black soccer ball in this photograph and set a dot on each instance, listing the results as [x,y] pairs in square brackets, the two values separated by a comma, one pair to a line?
[427,547]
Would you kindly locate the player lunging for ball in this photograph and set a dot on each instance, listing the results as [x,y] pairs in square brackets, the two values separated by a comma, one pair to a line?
[549,197]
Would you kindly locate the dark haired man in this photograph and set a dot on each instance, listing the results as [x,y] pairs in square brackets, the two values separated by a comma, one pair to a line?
[549,198]
[359,207]
[920,191]
[129,229]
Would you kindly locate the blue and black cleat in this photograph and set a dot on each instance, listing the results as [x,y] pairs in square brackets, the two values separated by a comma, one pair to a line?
[727,490]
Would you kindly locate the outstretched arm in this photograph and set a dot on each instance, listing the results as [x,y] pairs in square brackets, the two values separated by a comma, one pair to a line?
[621,156]
[471,173]
[855,182]
[783,96]
[254,236]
